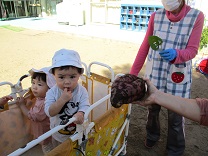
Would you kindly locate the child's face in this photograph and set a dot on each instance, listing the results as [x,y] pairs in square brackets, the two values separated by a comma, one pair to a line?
[66,78]
[39,88]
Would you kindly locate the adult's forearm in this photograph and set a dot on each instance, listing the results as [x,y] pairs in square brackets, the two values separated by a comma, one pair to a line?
[182,106]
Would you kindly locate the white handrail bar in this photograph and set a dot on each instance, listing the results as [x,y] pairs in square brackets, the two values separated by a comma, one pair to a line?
[55,129]
[85,67]
[101,64]
[6,83]
[40,138]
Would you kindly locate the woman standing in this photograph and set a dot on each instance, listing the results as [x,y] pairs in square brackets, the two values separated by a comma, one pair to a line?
[169,68]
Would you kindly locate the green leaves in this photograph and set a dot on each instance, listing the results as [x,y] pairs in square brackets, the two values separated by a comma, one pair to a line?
[204,38]
[154,42]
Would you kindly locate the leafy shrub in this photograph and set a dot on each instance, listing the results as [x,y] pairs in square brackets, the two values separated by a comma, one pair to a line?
[204,38]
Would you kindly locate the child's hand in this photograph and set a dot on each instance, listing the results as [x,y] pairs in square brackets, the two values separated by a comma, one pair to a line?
[5,99]
[79,118]
[66,95]
[20,101]
[28,101]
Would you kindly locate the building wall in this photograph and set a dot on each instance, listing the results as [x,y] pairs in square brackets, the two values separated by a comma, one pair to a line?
[95,11]
[202,5]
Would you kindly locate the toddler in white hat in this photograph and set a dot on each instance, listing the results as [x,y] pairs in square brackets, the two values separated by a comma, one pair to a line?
[67,98]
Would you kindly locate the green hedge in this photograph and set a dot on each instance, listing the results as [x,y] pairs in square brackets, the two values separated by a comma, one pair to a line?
[204,38]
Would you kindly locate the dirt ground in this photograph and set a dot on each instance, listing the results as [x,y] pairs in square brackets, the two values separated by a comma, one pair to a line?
[21,51]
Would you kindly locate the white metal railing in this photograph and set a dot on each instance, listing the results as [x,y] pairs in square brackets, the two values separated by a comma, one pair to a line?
[40,138]
[16,89]
[77,135]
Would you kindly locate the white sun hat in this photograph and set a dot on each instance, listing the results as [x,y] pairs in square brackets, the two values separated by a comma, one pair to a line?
[50,80]
[65,57]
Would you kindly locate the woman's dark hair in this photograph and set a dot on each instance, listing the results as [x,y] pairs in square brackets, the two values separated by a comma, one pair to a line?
[79,70]
[40,76]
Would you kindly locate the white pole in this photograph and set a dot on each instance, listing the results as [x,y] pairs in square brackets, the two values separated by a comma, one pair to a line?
[40,138]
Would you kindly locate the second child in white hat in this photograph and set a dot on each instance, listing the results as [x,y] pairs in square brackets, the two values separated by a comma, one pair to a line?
[41,81]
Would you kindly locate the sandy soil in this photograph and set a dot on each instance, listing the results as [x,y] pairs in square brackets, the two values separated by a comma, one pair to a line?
[21,51]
